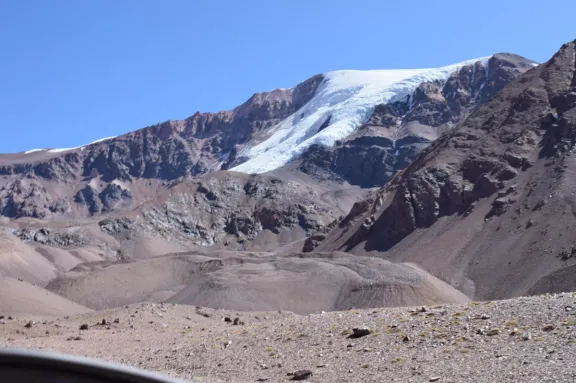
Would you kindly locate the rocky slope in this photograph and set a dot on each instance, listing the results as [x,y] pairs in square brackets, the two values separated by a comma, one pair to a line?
[521,340]
[488,206]
[234,211]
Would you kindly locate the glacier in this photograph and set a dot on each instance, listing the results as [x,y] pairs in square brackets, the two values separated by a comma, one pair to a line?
[342,103]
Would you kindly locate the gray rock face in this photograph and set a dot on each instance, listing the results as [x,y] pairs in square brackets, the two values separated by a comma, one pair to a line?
[26,197]
[49,237]
[229,209]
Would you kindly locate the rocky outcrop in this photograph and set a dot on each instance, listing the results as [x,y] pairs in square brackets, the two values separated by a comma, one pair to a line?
[44,236]
[27,197]
[229,210]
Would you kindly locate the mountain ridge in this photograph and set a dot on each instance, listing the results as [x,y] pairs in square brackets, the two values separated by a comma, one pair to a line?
[500,183]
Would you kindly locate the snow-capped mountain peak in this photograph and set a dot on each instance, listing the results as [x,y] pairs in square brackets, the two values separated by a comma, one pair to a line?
[344,101]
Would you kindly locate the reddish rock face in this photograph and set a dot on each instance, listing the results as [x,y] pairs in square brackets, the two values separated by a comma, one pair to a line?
[487,206]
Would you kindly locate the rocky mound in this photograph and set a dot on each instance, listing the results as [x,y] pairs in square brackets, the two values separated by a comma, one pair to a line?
[254,281]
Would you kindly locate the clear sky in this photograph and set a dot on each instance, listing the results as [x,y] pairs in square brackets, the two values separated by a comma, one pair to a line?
[73,71]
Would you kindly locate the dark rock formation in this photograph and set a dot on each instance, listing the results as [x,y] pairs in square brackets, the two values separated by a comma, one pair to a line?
[488,205]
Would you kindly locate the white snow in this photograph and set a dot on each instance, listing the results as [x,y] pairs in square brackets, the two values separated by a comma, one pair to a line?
[33,151]
[101,140]
[59,150]
[347,98]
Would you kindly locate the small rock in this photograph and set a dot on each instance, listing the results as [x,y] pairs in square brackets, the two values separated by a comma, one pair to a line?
[434,379]
[117,320]
[527,336]
[237,322]
[103,323]
[261,379]
[84,327]
[567,308]
[485,317]
[301,375]
[359,332]
[406,339]
[548,327]
[227,319]
[1,316]
[10,318]
[493,332]
[28,325]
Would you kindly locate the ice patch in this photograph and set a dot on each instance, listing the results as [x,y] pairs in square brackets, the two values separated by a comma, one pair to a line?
[34,151]
[59,150]
[348,97]
[101,140]
[97,141]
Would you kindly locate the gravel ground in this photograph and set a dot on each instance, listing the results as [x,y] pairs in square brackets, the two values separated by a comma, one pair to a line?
[530,339]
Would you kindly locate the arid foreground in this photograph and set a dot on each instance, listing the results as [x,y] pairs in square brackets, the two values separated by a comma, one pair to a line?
[529,339]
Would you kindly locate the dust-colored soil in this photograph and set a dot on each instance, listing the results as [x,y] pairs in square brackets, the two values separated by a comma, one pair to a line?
[521,340]
[251,281]
[21,298]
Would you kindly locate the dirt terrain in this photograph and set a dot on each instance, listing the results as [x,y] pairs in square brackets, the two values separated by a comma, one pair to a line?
[530,339]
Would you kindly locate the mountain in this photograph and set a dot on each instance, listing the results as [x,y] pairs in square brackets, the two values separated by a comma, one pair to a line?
[355,127]
[195,211]
[489,206]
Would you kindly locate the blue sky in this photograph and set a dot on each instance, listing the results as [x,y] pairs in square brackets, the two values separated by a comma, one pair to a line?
[74,71]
